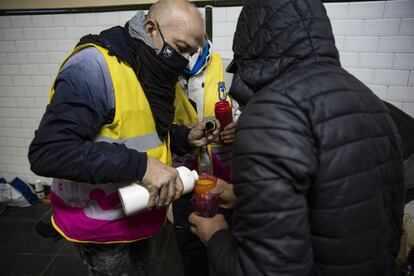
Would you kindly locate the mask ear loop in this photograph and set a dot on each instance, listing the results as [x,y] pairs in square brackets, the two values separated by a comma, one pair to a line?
[159,30]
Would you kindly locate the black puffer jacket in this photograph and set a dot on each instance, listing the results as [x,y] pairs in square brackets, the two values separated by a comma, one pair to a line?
[317,161]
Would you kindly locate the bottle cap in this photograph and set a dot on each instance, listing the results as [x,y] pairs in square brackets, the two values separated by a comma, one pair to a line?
[38,186]
[210,127]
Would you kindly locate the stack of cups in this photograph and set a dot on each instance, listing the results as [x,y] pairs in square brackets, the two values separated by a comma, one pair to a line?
[204,203]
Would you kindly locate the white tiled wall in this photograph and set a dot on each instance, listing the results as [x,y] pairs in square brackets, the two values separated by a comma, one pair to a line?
[31,49]
[375,40]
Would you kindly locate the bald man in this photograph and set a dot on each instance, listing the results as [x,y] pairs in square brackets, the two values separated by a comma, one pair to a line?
[182,24]
[109,121]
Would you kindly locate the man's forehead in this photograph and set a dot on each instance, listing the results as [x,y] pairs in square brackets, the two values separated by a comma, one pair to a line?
[187,34]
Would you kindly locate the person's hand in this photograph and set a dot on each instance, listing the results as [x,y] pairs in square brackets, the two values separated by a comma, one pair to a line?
[205,228]
[225,190]
[229,132]
[163,183]
[197,136]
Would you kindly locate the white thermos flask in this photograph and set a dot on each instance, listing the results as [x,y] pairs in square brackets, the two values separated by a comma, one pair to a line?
[134,197]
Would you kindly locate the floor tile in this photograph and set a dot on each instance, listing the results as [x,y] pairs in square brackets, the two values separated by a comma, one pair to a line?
[31,213]
[66,266]
[24,265]
[11,233]
[33,243]
[68,250]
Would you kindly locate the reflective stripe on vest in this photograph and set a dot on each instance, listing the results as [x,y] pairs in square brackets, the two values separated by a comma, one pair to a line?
[92,213]
[139,143]
[185,114]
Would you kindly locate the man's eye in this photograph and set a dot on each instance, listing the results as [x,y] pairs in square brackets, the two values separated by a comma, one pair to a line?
[181,49]
[186,50]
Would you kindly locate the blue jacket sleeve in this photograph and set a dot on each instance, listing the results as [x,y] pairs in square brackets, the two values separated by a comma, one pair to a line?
[64,147]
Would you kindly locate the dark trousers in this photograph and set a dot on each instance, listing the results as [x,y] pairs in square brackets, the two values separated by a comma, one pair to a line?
[193,251]
[117,259]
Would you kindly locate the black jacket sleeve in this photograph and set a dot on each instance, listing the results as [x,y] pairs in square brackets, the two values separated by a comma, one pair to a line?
[64,147]
[179,142]
[274,160]
[405,124]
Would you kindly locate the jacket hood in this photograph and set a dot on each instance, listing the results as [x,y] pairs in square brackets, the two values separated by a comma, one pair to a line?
[274,37]
[136,28]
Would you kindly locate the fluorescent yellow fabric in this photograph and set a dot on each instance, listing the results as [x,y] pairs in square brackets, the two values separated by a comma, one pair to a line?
[185,114]
[133,116]
[80,215]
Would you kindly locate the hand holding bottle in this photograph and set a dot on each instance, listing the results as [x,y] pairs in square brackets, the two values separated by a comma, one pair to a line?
[197,136]
[162,182]
[136,197]
[229,133]
[224,115]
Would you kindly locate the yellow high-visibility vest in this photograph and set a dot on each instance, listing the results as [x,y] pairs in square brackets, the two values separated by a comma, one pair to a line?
[185,114]
[92,213]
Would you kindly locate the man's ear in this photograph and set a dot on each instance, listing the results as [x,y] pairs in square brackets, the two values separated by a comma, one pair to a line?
[150,28]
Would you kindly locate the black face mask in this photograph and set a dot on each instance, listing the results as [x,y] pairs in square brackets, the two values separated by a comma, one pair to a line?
[171,58]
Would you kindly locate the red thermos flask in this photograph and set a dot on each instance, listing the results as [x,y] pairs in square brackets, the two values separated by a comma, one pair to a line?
[223,113]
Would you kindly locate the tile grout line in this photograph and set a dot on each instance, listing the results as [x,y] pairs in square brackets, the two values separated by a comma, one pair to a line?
[51,261]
